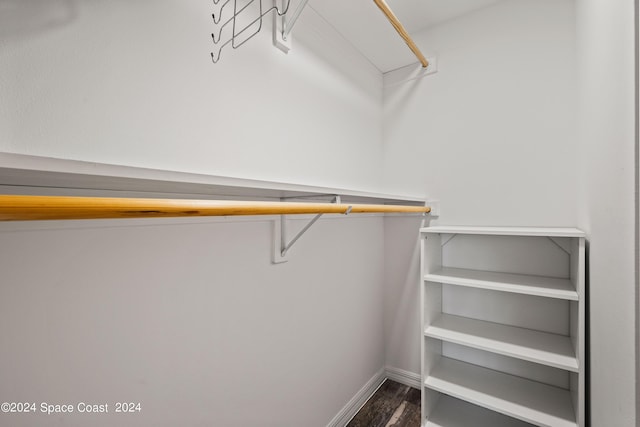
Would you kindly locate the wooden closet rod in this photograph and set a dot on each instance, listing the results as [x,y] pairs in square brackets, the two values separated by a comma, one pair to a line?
[36,208]
[382,4]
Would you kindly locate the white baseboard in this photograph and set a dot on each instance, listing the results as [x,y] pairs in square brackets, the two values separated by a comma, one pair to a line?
[361,397]
[353,406]
[403,377]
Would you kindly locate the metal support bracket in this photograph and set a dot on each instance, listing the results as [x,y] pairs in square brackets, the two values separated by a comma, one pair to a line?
[562,244]
[283,25]
[446,238]
[280,247]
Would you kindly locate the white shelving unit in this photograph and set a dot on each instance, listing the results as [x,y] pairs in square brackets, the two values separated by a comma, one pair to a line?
[503,315]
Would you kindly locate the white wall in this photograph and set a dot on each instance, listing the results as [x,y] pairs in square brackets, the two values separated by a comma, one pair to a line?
[495,135]
[492,135]
[133,84]
[188,317]
[402,329]
[607,139]
[529,121]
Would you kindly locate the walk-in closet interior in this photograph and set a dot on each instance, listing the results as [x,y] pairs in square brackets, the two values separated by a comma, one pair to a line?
[241,213]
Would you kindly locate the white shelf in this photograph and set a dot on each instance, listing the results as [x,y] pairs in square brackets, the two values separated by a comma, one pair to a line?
[526,400]
[452,412]
[550,287]
[534,346]
[51,175]
[507,231]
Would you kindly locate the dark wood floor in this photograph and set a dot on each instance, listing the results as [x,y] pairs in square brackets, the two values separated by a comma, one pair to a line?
[393,405]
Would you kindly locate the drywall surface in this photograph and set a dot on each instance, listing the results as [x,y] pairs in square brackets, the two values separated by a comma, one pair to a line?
[134,84]
[402,329]
[189,318]
[607,138]
[492,135]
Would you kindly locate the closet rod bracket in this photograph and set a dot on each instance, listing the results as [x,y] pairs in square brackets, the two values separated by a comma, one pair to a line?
[281,248]
[435,208]
[282,26]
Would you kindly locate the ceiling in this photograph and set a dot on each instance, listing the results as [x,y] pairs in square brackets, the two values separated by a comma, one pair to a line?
[364,25]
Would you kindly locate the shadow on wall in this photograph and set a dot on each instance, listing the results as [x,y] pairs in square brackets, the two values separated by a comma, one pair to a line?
[23,18]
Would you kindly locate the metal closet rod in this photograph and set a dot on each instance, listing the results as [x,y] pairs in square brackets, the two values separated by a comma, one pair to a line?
[37,208]
[382,4]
